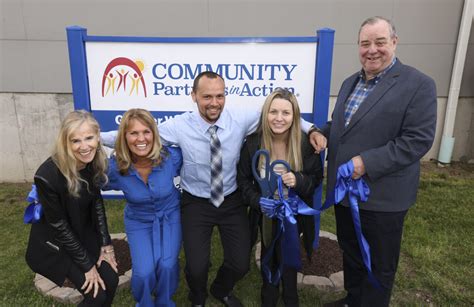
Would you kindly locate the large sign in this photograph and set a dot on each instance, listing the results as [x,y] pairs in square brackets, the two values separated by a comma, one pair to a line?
[113,74]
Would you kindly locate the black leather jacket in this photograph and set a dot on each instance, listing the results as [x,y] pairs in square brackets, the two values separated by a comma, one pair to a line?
[306,181]
[72,230]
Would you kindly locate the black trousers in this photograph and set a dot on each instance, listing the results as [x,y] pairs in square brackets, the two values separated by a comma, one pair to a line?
[383,232]
[198,218]
[269,293]
[103,298]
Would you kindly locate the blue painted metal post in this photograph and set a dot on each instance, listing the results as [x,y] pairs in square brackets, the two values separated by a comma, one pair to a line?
[322,87]
[322,78]
[77,60]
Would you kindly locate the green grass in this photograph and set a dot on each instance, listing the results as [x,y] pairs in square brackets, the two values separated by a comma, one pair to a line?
[436,264]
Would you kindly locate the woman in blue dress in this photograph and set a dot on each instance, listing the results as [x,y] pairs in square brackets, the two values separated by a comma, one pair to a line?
[144,170]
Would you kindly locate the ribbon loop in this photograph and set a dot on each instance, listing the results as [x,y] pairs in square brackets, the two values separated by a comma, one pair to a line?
[284,211]
[34,211]
[354,189]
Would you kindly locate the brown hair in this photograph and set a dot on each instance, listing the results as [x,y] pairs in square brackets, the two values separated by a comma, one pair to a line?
[123,154]
[208,74]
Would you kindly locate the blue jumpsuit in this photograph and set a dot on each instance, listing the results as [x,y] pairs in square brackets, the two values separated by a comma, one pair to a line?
[153,227]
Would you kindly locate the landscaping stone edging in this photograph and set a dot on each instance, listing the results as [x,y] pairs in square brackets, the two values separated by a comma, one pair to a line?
[67,295]
[334,283]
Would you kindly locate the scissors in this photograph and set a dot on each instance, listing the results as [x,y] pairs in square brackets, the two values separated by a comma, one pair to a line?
[269,183]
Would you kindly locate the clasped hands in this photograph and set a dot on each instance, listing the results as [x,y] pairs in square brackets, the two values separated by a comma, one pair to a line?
[93,279]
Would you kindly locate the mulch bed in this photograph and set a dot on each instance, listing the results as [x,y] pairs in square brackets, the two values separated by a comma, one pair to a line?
[325,261]
[122,255]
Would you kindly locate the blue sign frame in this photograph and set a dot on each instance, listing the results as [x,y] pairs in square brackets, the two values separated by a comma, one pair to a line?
[77,38]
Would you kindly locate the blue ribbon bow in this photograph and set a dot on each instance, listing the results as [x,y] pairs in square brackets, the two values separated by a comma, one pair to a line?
[34,211]
[354,189]
[284,210]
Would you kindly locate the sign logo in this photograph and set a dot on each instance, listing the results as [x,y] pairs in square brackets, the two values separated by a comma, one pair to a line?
[123,69]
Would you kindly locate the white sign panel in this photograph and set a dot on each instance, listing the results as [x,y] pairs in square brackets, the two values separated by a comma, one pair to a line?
[159,76]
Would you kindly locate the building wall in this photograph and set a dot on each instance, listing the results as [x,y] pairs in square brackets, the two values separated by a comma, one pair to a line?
[30,123]
[34,55]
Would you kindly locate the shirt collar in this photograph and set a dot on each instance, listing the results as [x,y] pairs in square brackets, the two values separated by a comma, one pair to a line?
[380,74]
[203,125]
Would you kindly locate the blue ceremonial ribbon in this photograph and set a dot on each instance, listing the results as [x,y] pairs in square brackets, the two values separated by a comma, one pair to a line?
[317,218]
[34,211]
[284,210]
[354,189]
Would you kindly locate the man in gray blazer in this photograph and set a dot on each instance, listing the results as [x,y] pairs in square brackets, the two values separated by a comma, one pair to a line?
[384,121]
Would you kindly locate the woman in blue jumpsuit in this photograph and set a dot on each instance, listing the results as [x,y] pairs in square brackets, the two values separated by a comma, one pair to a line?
[144,170]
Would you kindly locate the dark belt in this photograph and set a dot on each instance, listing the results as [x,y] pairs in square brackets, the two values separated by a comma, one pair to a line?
[187,194]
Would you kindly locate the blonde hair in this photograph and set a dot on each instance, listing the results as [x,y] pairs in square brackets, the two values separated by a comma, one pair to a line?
[123,154]
[293,144]
[64,158]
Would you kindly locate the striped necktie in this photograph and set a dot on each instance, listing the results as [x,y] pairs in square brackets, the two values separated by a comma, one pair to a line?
[217,185]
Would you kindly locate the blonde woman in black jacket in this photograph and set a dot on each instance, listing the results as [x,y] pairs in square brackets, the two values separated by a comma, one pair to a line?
[71,240]
[280,133]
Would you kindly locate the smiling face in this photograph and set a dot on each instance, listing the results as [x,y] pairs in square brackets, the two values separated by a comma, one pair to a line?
[376,47]
[83,144]
[280,116]
[210,98]
[139,139]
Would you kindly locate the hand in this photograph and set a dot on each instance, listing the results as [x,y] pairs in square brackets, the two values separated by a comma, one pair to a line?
[359,167]
[107,254]
[93,281]
[318,140]
[289,179]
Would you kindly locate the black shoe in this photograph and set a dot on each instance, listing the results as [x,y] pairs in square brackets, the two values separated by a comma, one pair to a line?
[230,301]
[338,303]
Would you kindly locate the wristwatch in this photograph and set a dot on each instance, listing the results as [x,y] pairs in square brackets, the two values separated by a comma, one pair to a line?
[314,129]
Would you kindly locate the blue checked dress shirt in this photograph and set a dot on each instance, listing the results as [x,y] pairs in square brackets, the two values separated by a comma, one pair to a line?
[361,91]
